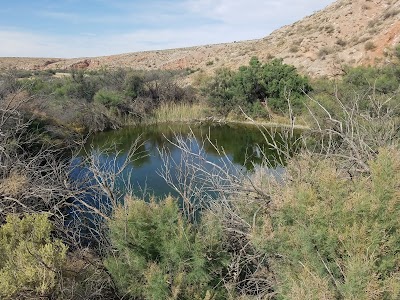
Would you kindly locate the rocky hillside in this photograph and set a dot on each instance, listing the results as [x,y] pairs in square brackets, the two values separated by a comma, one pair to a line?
[348,32]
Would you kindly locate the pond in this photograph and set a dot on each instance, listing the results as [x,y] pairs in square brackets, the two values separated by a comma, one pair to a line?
[244,146]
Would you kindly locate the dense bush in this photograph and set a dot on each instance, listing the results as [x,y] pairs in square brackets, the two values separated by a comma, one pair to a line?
[221,92]
[159,255]
[372,92]
[271,83]
[115,97]
[31,260]
[384,80]
[108,98]
[334,237]
[397,51]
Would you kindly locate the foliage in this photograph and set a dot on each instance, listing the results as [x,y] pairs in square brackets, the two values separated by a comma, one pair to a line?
[372,92]
[385,80]
[30,260]
[133,85]
[108,98]
[334,237]
[95,101]
[397,51]
[221,92]
[272,82]
[159,254]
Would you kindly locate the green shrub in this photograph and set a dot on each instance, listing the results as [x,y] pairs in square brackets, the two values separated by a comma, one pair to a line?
[133,85]
[257,110]
[360,84]
[30,259]
[221,91]
[397,51]
[384,80]
[159,254]
[82,87]
[335,237]
[255,83]
[108,98]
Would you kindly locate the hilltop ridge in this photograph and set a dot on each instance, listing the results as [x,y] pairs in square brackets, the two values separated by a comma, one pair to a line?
[347,32]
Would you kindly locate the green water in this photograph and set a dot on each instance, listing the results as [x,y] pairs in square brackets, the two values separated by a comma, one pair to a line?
[245,146]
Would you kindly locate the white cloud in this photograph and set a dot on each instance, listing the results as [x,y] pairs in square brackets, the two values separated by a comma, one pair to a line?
[16,43]
[244,10]
[60,16]
[229,21]
[255,12]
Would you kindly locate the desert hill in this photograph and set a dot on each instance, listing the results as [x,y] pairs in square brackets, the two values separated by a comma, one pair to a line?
[348,32]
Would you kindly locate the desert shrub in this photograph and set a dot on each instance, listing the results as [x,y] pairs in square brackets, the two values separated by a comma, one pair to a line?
[369,46]
[257,110]
[84,277]
[390,13]
[334,237]
[96,117]
[120,93]
[142,107]
[397,51]
[108,98]
[36,86]
[341,42]
[159,255]
[356,89]
[384,81]
[273,82]
[294,49]
[9,83]
[82,87]
[221,91]
[23,73]
[31,260]
[133,85]
[324,51]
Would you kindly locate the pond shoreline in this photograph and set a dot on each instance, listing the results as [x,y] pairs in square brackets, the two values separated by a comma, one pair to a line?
[200,114]
[216,121]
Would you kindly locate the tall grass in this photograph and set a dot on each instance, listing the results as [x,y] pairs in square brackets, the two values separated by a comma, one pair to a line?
[182,112]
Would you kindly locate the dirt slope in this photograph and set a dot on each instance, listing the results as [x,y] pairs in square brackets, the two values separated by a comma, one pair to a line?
[348,32]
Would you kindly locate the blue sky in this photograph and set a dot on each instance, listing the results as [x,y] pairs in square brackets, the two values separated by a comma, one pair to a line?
[77,28]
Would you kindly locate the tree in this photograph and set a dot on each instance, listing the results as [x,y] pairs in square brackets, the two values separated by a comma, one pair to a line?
[281,82]
[221,91]
[273,82]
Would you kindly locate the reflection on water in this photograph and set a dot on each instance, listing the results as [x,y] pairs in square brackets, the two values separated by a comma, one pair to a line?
[245,146]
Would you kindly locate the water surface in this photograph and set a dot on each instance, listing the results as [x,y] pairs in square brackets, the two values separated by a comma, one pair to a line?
[244,146]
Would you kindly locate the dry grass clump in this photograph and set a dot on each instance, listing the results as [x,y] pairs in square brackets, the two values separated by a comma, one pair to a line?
[182,112]
[369,46]
[324,51]
[14,184]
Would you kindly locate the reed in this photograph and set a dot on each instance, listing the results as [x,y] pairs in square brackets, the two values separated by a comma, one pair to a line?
[183,112]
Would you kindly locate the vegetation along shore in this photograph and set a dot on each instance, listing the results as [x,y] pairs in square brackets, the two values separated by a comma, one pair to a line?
[318,219]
